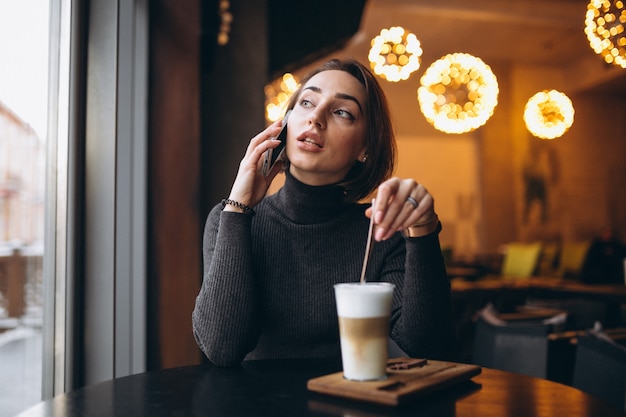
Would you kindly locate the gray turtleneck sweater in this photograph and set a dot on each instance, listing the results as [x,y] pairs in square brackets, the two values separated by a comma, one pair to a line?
[268,279]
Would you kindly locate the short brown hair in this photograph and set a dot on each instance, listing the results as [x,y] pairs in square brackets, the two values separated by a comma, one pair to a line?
[365,177]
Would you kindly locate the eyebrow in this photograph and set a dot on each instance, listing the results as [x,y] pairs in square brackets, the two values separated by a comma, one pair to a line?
[343,96]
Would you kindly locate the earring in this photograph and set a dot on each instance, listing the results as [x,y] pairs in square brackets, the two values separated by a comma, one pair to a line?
[364,158]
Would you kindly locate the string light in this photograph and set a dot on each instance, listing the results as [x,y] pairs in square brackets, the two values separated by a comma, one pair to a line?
[395,54]
[549,114]
[458,93]
[226,20]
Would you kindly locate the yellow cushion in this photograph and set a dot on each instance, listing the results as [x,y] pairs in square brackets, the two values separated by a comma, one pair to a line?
[520,259]
[572,257]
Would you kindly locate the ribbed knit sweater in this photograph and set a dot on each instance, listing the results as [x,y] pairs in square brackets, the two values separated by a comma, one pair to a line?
[268,280]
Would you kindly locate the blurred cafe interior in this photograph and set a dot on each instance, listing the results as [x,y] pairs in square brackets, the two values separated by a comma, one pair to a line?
[505,113]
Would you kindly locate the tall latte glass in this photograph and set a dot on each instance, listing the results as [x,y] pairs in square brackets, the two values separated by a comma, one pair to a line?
[364,311]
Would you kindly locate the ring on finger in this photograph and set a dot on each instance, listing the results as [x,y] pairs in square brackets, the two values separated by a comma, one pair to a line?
[412,201]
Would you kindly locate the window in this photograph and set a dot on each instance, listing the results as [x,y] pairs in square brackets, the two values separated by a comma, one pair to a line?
[24,35]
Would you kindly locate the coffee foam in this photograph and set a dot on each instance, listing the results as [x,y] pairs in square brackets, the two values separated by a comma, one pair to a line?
[371,299]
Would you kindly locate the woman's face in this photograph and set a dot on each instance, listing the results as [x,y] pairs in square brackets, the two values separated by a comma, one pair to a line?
[326,128]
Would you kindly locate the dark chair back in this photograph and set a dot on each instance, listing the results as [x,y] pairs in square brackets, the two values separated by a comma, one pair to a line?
[600,369]
[515,347]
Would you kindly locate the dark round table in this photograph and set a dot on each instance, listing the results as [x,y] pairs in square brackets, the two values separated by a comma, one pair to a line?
[278,388]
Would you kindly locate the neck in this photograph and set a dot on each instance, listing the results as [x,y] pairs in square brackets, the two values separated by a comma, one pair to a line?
[304,203]
[316,179]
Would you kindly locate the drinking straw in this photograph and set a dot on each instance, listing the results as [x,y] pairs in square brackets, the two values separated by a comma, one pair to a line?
[368,246]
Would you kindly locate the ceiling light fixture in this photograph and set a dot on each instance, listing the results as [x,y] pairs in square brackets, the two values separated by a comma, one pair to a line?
[458,93]
[549,114]
[604,26]
[395,54]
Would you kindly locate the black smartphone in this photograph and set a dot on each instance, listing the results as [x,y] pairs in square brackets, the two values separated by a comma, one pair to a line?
[275,154]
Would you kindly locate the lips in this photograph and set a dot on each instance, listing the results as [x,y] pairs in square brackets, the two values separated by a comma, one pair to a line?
[311,139]
[311,142]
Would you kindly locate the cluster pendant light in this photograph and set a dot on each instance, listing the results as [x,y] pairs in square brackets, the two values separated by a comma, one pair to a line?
[395,54]
[604,26]
[458,93]
[548,114]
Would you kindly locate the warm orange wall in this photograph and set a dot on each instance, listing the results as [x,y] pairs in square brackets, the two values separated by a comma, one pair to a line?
[448,168]
[592,184]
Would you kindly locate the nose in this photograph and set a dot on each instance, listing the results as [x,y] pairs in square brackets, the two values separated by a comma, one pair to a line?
[316,118]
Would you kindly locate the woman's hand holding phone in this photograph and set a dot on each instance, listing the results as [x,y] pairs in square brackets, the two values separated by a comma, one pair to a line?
[273,155]
[252,182]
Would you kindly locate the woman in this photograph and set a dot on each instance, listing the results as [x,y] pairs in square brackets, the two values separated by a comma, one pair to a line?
[270,262]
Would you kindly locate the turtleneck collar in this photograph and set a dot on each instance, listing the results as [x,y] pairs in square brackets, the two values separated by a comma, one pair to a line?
[302,203]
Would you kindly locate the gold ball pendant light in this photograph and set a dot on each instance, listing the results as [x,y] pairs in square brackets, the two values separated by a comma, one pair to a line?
[458,93]
[604,26]
[395,54]
[549,114]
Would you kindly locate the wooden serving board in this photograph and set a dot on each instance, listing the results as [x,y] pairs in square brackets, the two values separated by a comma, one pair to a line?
[407,378]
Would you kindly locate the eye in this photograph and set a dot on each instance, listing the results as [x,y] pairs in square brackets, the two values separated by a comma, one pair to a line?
[345,114]
[305,103]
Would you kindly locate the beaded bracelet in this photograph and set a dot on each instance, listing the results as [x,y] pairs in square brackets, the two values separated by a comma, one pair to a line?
[246,209]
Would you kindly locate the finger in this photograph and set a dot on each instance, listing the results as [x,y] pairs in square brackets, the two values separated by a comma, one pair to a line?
[384,195]
[400,204]
[409,203]
[258,146]
[423,213]
[278,167]
[402,219]
[270,132]
[425,201]
[388,206]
